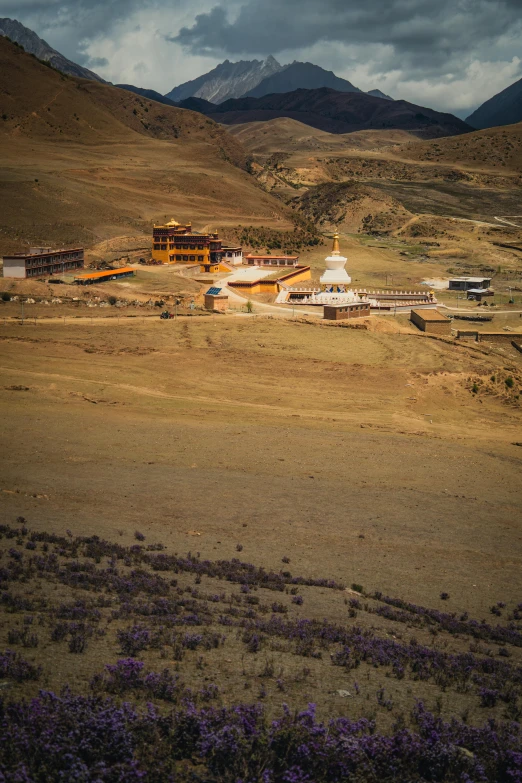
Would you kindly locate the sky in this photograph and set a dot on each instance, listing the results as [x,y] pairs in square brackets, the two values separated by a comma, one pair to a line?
[450,55]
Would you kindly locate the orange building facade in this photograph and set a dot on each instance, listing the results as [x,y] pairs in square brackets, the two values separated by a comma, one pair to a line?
[173,243]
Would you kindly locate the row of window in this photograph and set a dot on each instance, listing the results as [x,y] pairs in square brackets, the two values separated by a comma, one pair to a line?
[172,244]
[172,247]
[51,260]
[272,262]
[49,270]
[188,247]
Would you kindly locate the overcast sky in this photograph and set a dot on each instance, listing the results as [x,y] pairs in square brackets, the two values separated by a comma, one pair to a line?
[447,54]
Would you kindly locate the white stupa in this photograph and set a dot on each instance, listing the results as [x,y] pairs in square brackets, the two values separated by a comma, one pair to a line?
[335,278]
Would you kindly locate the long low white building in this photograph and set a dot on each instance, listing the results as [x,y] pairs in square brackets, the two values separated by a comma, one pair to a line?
[42,261]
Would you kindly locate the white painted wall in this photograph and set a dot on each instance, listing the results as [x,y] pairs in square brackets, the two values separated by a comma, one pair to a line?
[235,258]
[14,267]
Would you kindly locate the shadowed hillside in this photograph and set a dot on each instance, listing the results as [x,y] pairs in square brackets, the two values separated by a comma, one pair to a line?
[340,112]
[152,95]
[504,108]
[300,76]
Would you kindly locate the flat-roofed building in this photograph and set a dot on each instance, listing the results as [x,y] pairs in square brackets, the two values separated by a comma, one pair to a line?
[270,260]
[43,261]
[232,255]
[341,312]
[467,283]
[215,299]
[430,320]
[105,275]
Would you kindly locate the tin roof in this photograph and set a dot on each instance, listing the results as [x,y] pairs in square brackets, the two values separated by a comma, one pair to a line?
[468,279]
[106,273]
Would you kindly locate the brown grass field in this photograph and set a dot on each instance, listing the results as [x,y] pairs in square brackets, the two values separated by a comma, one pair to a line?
[312,435]
[360,455]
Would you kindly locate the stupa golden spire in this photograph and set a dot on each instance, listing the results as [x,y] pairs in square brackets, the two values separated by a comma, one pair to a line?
[335,278]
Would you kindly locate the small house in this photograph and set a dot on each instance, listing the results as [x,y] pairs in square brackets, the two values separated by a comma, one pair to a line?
[431,321]
[341,312]
[216,300]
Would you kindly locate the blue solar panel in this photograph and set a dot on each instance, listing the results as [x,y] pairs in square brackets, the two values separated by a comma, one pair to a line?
[214,291]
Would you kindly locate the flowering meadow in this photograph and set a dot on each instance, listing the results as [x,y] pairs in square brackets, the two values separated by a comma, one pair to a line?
[126,663]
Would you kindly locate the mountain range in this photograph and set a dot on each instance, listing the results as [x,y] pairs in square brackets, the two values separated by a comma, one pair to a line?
[300,75]
[505,108]
[226,80]
[333,111]
[33,44]
[256,78]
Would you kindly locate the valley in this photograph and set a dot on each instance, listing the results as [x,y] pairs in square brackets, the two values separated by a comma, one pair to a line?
[448,192]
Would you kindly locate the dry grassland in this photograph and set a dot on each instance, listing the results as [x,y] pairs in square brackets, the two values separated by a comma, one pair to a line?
[311,436]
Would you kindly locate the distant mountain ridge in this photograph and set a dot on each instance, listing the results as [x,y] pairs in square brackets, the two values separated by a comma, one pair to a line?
[226,80]
[152,95]
[297,76]
[380,94]
[33,44]
[255,78]
[505,108]
[335,112]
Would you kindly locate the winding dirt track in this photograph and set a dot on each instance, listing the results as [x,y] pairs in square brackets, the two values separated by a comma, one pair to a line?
[510,222]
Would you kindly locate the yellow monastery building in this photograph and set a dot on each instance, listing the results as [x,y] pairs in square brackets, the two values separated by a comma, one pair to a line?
[177,244]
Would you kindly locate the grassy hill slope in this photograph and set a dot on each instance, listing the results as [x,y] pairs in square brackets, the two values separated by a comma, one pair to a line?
[284,134]
[493,148]
[84,161]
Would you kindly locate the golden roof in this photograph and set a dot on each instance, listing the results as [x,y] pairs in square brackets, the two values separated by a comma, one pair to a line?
[335,245]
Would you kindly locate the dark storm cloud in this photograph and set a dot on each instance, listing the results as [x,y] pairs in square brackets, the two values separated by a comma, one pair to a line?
[87,17]
[67,25]
[419,31]
[424,33]
[450,53]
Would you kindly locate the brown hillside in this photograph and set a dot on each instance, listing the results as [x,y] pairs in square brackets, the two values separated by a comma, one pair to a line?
[351,206]
[287,135]
[84,161]
[498,148]
[476,176]
[41,103]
